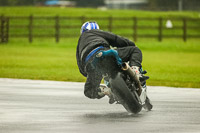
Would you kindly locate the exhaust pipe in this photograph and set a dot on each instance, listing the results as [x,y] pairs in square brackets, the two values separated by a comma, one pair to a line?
[132,74]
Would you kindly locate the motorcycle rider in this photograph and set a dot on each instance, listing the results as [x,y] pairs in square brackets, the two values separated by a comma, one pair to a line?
[91,41]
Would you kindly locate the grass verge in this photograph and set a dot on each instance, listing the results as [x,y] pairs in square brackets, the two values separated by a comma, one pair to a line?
[169,63]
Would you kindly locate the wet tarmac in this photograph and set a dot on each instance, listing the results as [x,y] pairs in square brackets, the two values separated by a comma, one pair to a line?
[28,106]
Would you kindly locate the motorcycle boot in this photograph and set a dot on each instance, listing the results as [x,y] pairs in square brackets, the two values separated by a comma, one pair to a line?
[143,96]
[140,74]
[136,69]
[148,105]
[104,90]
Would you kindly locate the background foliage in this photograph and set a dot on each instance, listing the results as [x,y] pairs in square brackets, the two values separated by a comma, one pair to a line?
[152,4]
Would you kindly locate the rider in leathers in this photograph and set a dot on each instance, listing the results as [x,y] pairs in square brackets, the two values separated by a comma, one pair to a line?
[94,40]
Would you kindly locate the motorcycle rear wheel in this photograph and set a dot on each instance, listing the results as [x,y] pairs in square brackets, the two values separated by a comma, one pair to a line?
[124,94]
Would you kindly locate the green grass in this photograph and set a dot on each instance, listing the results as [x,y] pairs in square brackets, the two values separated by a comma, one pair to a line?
[46,61]
[49,11]
[178,68]
[169,63]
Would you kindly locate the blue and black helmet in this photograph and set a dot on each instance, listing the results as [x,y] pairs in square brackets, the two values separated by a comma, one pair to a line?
[89,26]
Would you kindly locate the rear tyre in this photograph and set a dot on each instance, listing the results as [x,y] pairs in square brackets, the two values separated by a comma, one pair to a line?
[124,94]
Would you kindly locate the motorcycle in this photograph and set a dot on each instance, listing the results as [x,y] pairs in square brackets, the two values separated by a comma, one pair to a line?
[126,88]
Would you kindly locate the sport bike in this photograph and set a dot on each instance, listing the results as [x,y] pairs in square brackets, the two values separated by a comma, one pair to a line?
[125,87]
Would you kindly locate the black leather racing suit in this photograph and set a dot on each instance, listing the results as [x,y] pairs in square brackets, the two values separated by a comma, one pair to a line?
[92,39]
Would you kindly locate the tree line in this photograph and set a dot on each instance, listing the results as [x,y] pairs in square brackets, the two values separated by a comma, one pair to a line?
[83,3]
[174,4]
[19,2]
[152,4]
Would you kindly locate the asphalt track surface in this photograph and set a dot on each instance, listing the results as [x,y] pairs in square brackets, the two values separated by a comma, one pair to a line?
[28,106]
